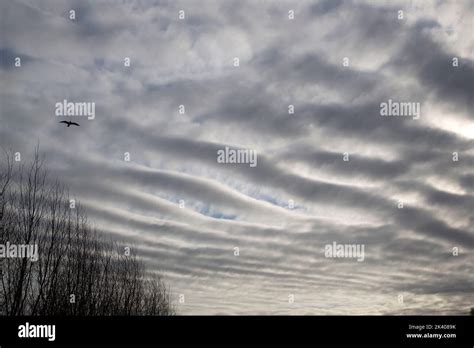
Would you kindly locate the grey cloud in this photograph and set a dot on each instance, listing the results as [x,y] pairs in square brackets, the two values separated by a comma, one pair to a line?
[433,66]
[299,156]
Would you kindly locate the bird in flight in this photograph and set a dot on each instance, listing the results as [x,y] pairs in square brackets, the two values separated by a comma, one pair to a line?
[69,123]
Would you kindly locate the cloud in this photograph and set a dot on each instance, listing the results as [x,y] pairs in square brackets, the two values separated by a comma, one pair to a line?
[303,194]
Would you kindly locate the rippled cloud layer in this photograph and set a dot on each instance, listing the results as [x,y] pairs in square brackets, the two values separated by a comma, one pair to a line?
[300,84]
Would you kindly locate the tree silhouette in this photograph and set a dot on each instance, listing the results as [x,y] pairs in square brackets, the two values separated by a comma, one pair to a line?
[78,272]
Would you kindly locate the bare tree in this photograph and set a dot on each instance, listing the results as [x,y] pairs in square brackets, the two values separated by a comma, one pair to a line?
[78,272]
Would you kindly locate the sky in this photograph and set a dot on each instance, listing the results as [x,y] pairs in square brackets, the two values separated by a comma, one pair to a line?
[231,238]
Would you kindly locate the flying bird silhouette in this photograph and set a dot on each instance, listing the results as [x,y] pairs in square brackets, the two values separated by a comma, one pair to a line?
[69,123]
